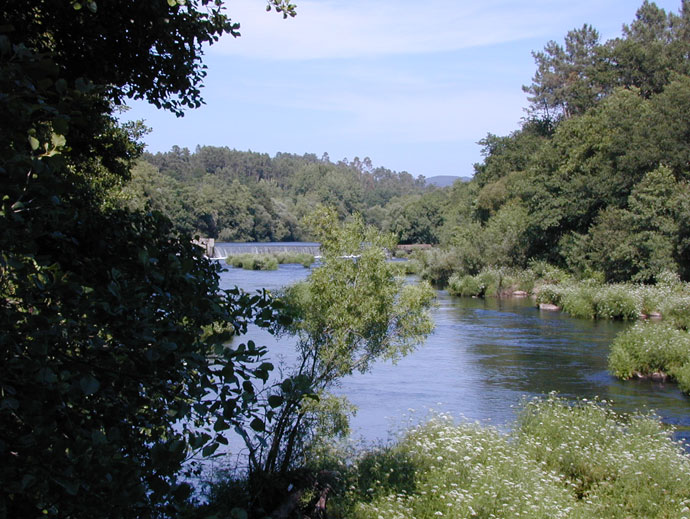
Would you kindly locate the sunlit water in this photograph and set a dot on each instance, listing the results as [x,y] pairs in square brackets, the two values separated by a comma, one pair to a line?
[483,359]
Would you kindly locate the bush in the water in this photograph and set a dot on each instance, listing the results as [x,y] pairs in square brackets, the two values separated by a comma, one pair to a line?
[465,286]
[491,282]
[617,302]
[650,348]
[578,301]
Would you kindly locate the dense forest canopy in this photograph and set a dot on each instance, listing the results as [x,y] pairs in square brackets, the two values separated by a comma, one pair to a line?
[234,195]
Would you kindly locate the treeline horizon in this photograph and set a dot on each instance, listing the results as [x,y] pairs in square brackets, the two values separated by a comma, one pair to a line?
[232,195]
[595,180]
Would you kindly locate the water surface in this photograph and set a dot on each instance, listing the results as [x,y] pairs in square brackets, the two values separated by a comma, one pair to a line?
[483,359]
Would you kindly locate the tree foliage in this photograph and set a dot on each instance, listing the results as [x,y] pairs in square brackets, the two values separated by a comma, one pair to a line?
[113,369]
[596,177]
[349,313]
[233,195]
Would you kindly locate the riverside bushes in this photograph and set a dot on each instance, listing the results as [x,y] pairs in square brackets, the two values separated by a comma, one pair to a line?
[567,461]
[491,282]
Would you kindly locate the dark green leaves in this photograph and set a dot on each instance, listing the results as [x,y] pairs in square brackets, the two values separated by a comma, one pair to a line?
[275,401]
[257,424]
[89,384]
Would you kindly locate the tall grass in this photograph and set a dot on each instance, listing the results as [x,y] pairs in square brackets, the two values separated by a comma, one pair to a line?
[562,461]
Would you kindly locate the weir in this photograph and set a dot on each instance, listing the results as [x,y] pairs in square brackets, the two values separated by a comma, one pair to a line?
[223,250]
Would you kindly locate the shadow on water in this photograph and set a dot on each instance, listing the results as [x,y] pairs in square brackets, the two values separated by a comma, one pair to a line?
[483,359]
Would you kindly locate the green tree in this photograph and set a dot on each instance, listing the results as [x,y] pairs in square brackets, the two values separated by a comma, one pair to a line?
[351,312]
[569,79]
[112,364]
[644,57]
[641,241]
[416,218]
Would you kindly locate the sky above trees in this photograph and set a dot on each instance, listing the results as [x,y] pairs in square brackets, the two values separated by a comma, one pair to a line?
[412,85]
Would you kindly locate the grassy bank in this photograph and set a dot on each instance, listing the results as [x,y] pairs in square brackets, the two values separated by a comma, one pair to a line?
[564,461]
[583,298]
[250,261]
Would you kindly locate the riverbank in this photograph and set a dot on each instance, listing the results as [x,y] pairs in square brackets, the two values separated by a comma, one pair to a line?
[561,460]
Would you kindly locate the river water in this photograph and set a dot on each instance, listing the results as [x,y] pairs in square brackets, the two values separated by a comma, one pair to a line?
[483,359]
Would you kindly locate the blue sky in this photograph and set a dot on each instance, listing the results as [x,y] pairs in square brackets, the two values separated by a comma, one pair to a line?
[411,84]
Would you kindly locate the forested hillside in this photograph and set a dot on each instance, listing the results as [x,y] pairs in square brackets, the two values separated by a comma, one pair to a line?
[245,196]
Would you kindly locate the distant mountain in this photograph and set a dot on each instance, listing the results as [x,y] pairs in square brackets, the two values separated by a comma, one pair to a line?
[444,180]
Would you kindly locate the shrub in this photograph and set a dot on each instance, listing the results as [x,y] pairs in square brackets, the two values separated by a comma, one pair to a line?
[617,466]
[303,258]
[437,265]
[547,273]
[579,302]
[492,281]
[253,261]
[563,460]
[649,348]
[265,262]
[525,280]
[617,302]
[550,294]
[465,286]
[677,312]
[682,376]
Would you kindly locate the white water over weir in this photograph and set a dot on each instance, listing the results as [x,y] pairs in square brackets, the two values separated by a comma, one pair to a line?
[223,250]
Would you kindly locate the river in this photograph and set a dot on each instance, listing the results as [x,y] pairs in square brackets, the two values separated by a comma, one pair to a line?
[483,359]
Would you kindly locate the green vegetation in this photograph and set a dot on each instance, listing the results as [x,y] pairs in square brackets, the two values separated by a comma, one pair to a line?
[269,261]
[628,301]
[562,460]
[113,368]
[595,181]
[243,196]
[493,282]
[351,311]
[652,349]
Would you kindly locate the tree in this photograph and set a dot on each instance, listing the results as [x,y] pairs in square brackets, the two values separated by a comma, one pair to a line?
[639,242]
[141,50]
[351,312]
[644,57]
[113,368]
[569,79]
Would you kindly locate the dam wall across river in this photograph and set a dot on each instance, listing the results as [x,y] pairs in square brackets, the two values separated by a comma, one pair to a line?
[223,250]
